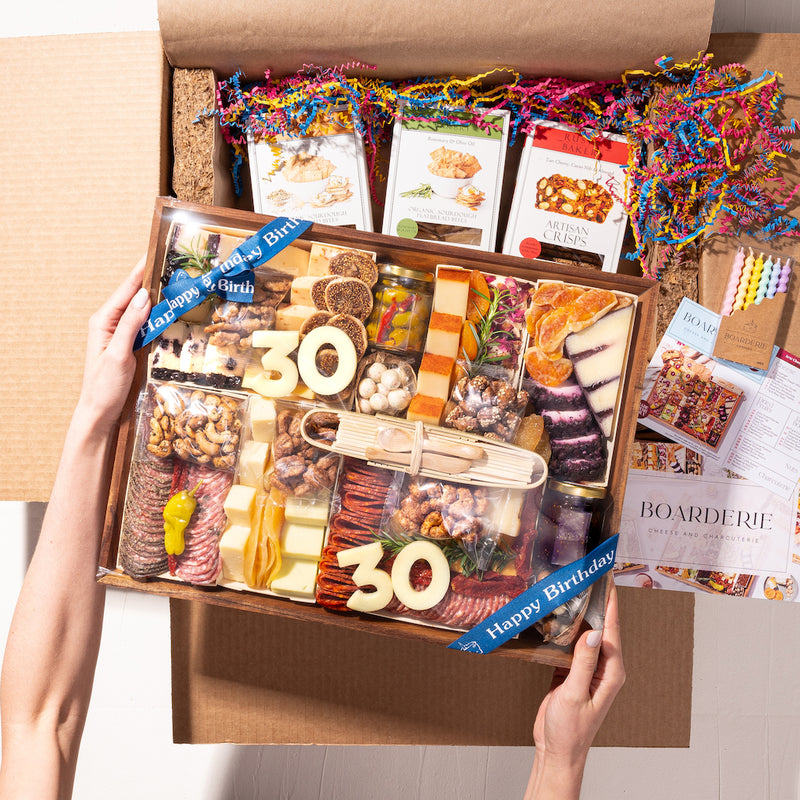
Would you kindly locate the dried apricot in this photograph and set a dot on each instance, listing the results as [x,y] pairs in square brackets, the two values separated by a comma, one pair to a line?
[479,297]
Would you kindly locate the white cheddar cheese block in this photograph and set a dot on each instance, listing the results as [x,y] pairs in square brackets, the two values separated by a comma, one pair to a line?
[291,318]
[433,378]
[451,291]
[301,290]
[444,334]
[295,578]
[253,463]
[262,419]
[193,352]
[598,356]
[509,520]
[302,541]
[292,259]
[240,504]
[231,549]
[284,342]
[306,512]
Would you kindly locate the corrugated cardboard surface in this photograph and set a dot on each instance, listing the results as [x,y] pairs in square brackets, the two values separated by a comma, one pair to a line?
[250,678]
[81,151]
[84,146]
[572,38]
[778,52]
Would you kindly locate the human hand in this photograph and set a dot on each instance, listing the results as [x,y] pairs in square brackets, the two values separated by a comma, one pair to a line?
[110,362]
[574,708]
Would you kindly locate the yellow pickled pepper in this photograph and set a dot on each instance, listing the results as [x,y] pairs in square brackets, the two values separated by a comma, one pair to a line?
[177,513]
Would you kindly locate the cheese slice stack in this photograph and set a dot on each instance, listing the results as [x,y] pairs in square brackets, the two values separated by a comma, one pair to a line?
[598,358]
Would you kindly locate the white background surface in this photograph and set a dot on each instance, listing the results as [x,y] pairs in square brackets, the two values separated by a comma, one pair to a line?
[745,710]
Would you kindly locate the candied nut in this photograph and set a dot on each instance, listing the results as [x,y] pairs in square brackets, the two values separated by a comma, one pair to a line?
[432,526]
[488,416]
[467,424]
[283,446]
[290,467]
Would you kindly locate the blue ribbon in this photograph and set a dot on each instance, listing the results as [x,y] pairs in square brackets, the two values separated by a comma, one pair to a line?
[231,280]
[539,600]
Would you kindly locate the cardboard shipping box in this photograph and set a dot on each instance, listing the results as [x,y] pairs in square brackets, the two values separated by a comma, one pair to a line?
[78,220]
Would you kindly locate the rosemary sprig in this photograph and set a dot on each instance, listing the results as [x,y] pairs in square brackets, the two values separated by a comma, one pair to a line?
[457,557]
[490,331]
[192,257]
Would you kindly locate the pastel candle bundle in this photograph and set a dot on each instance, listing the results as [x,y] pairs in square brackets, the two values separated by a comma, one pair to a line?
[744,282]
[733,282]
[772,287]
[752,283]
[763,284]
[783,280]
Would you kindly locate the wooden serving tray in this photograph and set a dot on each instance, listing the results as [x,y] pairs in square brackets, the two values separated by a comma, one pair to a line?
[416,255]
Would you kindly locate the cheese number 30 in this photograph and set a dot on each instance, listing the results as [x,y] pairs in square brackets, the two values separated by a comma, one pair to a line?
[366,559]
[280,344]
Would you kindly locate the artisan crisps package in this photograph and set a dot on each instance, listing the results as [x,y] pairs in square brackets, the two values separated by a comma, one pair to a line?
[569,201]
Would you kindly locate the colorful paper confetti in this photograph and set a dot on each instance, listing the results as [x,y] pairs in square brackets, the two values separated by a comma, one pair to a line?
[706,142]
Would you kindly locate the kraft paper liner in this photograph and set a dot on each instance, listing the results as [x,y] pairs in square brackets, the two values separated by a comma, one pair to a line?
[569,38]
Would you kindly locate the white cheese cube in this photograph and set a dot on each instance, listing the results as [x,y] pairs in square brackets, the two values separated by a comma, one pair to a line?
[253,462]
[305,512]
[231,550]
[240,504]
[302,541]
[296,578]
[262,418]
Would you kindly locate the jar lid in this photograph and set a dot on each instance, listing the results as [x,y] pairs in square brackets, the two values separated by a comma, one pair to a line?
[577,489]
[405,272]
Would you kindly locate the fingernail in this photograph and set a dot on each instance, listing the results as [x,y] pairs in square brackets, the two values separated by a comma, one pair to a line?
[594,638]
[141,297]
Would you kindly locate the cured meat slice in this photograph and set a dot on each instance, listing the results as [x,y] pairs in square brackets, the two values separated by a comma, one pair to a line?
[200,562]
[141,549]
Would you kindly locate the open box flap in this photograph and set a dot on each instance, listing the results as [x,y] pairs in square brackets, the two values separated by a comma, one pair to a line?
[258,679]
[82,160]
[434,37]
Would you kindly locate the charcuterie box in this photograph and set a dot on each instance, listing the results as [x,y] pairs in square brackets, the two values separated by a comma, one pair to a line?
[215,437]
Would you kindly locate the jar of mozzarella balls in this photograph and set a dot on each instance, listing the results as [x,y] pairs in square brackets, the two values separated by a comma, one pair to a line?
[385,388]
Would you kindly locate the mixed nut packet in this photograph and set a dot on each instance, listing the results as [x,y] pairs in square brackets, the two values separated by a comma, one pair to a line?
[458,517]
[299,468]
[232,323]
[486,402]
[197,425]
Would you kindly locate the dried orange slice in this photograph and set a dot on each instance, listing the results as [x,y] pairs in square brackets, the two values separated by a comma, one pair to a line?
[547,372]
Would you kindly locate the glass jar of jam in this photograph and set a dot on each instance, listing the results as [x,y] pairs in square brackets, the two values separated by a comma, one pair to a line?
[570,522]
[401,309]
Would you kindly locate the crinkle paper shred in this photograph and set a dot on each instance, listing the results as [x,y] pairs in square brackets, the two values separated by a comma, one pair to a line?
[706,141]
